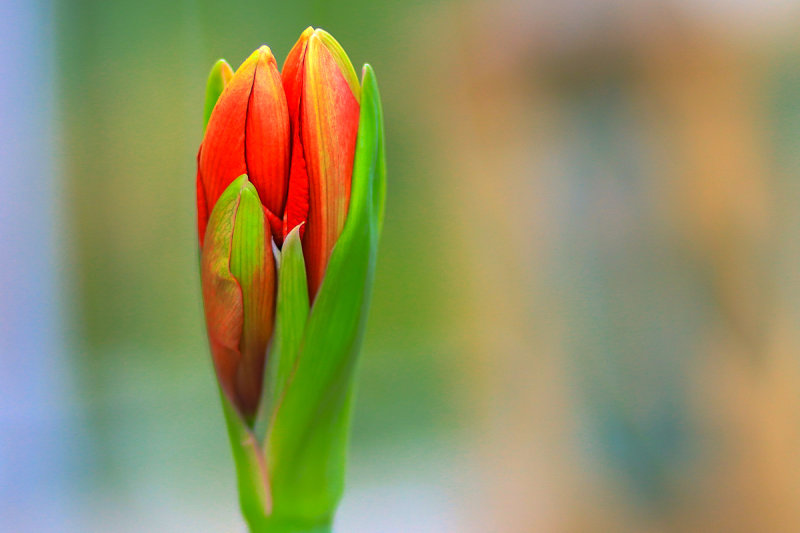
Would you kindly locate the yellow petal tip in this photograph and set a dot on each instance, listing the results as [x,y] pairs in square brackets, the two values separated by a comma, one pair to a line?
[261,54]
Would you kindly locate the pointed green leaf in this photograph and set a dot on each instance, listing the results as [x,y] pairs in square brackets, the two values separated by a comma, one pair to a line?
[290,321]
[218,78]
[251,469]
[308,439]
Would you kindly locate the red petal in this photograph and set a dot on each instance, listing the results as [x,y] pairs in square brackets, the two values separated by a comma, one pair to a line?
[202,203]
[296,209]
[292,74]
[222,156]
[276,225]
[267,135]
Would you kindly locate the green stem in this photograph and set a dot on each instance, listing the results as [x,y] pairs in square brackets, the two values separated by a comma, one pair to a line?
[287,526]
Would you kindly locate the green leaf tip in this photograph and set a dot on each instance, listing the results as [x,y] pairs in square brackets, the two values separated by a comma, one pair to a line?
[221,73]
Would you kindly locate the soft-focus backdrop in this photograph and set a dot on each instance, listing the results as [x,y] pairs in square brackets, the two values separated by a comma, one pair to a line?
[587,307]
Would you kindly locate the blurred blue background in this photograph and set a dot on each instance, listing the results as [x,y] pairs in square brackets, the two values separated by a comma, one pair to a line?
[587,302]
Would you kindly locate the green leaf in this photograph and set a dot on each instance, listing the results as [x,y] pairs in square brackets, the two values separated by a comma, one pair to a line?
[290,320]
[221,73]
[251,469]
[307,442]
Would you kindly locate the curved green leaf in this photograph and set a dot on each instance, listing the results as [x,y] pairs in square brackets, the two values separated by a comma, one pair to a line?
[290,320]
[307,443]
[251,469]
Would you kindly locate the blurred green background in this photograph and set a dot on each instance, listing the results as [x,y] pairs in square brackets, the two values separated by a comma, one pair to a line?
[586,307]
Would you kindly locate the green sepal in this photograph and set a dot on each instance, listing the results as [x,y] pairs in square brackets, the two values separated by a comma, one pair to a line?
[307,442]
[291,314]
[221,73]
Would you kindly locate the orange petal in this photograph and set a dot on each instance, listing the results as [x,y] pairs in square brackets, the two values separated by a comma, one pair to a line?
[329,112]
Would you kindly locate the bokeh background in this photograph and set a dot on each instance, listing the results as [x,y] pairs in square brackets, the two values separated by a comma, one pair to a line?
[587,307]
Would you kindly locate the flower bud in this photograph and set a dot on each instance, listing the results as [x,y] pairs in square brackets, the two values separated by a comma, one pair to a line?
[294,160]
[238,278]
[322,94]
[247,133]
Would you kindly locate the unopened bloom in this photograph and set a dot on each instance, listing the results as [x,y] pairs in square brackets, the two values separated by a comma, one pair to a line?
[238,278]
[290,195]
[323,94]
[260,123]
[247,133]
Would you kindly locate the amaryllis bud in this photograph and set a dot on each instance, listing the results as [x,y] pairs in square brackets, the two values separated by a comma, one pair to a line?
[238,278]
[247,133]
[323,93]
[290,195]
